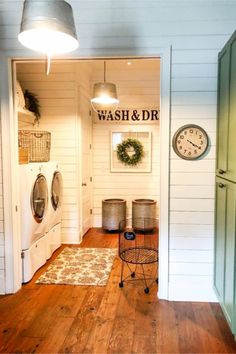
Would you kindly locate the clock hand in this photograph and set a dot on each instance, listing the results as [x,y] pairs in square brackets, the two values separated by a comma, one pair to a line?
[195,145]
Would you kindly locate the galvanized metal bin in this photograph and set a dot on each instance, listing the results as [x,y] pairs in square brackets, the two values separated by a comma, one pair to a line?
[113,211]
[143,208]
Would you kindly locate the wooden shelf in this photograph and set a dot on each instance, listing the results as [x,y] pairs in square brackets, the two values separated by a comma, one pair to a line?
[25,117]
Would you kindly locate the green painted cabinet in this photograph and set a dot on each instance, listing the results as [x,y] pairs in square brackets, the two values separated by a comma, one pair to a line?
[224,278]
[226,132]
[225,206]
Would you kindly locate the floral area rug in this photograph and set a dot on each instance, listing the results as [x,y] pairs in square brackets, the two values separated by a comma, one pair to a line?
[80,266]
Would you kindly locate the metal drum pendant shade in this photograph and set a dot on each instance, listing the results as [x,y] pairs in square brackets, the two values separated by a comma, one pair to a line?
[104,92]
[104,96]
[101,102]
[48,27]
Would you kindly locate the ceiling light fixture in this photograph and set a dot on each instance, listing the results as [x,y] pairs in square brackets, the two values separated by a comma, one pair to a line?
[104,96]
[47,26]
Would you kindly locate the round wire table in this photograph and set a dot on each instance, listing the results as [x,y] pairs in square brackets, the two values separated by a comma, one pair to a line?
[138,249]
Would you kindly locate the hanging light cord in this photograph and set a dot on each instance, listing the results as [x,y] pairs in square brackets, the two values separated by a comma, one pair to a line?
[104,71]
[48,64]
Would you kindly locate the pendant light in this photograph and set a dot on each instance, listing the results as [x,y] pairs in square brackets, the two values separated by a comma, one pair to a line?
[104,96]
[48,27]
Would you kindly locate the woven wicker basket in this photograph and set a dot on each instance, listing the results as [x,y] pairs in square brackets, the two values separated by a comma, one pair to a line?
[143,209]
[38,144]
[113,211]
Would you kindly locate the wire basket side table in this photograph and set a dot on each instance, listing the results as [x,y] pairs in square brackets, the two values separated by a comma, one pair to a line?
[138,249]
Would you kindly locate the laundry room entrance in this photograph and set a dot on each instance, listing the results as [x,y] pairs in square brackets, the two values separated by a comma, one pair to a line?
[83,140]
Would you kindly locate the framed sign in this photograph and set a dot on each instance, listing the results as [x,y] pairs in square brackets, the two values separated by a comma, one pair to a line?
[130,151]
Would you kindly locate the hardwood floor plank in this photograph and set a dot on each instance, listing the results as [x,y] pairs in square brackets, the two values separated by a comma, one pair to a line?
[188,333]
[121,338]
[143,344]
[101,238]
[145,322]
[22,315]
[209,332]
[39,319]
[103,325]
[12,306]
[25,345]
[80,330]
[223,326]
[70,301]
[109,319]
[166,328]
[57,332]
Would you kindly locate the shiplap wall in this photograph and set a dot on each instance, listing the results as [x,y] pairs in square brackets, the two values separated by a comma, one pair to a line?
[138,87]
[196,30]
[57,96]
[2,255]
[123,185]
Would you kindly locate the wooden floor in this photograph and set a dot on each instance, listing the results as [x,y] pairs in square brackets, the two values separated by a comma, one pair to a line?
[90,319]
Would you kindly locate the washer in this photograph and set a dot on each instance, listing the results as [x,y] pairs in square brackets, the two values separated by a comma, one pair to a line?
[53,226]
[34,211]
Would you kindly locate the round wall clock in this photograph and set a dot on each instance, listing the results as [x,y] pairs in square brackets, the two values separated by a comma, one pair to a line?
[190,142]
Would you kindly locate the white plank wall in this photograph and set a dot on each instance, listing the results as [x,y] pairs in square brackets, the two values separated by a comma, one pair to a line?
[57,96]
[127,186]
[2,253]
[2,236]
[196,30]
[138,87]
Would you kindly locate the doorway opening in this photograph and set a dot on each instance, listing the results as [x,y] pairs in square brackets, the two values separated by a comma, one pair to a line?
[83,145]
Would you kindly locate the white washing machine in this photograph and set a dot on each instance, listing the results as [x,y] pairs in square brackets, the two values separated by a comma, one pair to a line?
[34,197]
[53,225]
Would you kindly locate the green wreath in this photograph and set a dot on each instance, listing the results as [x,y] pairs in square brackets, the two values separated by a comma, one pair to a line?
[123,155]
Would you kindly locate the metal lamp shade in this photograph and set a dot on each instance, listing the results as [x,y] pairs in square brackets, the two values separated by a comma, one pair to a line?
[104,97]
[48,27]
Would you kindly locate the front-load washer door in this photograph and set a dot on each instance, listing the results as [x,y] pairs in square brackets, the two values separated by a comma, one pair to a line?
[39,198]
[56,190]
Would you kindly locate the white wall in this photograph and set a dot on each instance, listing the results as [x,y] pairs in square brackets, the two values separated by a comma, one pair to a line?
[125,185]
[2,258]
[196,29]
[58,94]
[57,97]
[138,87]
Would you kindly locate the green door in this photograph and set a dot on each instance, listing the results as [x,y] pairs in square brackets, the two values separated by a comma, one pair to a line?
[230,251]
[223,112]
[220,231]
[225,206]
[226,141]
[225,247]
[231,168]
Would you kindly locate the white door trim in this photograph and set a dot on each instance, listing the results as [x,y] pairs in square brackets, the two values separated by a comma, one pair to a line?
[80,153]
[12,246]
[10,171]
[163,287]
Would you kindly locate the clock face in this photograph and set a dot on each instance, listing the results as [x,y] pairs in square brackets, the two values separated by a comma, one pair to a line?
[190,142]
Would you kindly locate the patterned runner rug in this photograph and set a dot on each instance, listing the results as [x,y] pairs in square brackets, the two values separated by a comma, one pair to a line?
[80,266]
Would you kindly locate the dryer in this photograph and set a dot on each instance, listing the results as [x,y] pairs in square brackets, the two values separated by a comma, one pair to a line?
[33,211]
[53,227]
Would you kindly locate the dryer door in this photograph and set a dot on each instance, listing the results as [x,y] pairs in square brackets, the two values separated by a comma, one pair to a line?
[39,198]
[56,190]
